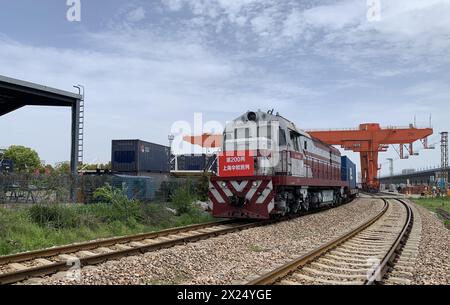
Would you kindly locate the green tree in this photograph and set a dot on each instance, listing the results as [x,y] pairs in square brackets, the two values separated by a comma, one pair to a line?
[46,168]
[63,167]
[24,158]
[95,166]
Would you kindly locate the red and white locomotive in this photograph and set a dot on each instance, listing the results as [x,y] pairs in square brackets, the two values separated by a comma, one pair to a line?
[270,167]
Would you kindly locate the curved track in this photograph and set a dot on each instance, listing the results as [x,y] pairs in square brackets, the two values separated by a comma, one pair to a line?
[361,256]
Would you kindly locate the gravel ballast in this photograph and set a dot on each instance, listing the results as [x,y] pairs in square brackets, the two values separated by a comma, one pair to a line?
[230,258]
[433,262]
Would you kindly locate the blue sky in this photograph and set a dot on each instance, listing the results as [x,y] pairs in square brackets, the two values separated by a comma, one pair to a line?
[147,64]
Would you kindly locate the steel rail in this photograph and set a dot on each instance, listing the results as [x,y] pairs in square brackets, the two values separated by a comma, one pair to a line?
[378,273]
[443,213]
[20,275]
[26,256]
[49,252]
[64,265]
[275,275]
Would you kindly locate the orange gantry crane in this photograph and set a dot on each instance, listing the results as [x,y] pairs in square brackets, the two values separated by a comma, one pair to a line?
[369,140]
[205,140]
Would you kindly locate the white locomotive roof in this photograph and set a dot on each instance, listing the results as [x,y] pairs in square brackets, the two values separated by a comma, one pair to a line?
[267,116]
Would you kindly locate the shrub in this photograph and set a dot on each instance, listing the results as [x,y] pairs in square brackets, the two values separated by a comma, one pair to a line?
[183,198]
[55,216]
[202,188]
[156,214]
[123,208]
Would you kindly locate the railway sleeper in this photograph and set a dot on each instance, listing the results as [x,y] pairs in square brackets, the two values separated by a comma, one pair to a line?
[342,269]
[354,255]
[43,261]
[337,276]
[341,263]
[347,259]
[361,251]
[366,247]
[311,280]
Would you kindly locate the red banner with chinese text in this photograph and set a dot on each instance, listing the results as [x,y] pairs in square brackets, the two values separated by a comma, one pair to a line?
[236,164]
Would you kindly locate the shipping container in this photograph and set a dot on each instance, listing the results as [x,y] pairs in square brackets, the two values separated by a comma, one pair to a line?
[139,156]
[196,162]
[191,162]
[6,166]
[348,171]
[137,187]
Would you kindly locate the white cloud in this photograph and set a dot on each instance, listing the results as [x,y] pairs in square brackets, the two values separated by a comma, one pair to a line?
[336,16]
[412,34]
[320,64]
[173,5]
[136,15]
[294,25]
[137,85]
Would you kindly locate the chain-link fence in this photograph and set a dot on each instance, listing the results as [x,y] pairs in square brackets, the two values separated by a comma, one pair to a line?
[64,188]
[31,188]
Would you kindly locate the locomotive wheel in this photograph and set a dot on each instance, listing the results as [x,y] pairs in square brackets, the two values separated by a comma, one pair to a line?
[305,206]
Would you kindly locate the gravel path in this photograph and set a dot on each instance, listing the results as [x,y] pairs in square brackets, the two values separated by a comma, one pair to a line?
[230,258]
[433,261]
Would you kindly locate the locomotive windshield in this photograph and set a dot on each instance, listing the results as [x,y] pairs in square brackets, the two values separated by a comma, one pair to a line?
[295,136]
[248,136]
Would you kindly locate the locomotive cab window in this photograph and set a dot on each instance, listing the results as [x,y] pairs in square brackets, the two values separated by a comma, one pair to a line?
[294,139]
[282,137]
[227,136]
[265,131]
[242,133]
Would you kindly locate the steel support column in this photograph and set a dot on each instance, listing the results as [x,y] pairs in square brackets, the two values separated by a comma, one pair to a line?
[74,149]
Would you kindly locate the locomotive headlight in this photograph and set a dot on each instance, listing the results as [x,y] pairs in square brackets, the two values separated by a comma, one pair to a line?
[255,183]
[224,184]
[251,116]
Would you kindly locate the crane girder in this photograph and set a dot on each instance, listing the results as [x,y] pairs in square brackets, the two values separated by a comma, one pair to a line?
[370,139]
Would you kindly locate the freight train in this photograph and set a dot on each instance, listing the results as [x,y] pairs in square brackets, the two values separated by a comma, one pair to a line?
[268,167]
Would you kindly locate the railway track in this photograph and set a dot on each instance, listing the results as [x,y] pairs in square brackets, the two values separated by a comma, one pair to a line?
[22,266]
[363,256]
[443,213]
[18,267]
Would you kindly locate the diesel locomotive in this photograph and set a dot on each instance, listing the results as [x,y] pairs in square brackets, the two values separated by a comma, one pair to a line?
[268,166]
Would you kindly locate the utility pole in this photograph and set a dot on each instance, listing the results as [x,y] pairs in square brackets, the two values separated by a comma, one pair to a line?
[391,170]
[444,163]
[171,137]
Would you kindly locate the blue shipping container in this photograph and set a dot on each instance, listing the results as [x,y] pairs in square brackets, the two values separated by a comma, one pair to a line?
[134,156]
[138,187]
[196,162]
[191,162]
[6,166]
[348,171]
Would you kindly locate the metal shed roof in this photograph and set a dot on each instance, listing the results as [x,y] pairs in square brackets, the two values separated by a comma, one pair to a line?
[15,94]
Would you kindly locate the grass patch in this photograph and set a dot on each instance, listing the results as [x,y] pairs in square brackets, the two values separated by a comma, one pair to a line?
[255,248]
[43,226]
[433,204]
